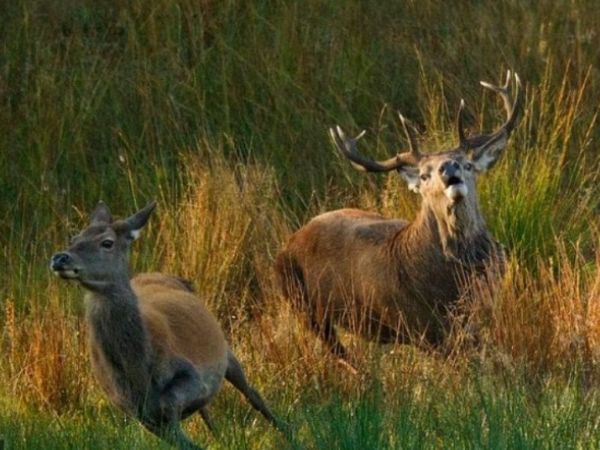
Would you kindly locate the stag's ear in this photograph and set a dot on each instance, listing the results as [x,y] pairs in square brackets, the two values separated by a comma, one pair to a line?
[136,222]
[485,156]
[411,176]
[101,214]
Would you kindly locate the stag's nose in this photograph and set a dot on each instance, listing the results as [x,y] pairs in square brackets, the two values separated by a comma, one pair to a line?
[59,261]
[450,172]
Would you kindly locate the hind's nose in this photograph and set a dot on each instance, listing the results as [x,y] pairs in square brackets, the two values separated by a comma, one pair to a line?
[59,261]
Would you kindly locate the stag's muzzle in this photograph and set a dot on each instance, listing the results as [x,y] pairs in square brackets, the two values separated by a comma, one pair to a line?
[451,174]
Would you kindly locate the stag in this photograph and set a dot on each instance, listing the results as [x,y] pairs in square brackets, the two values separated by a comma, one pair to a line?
[391,280]
[156,350]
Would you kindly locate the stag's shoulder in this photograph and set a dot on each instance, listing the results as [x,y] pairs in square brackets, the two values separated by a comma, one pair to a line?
[378,231]
[329,224]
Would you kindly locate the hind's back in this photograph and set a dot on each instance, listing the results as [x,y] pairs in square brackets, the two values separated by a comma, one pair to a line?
[178,322]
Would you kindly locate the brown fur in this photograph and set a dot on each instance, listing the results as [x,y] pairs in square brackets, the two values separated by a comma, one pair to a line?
[178,322]
[178,327]
[385,279]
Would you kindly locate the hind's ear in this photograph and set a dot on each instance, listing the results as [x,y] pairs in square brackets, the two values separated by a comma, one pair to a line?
[136,222]
[101,214]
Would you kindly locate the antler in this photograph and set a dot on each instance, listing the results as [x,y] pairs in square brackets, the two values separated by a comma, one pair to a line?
[413,156]
[513,109]
[347,146]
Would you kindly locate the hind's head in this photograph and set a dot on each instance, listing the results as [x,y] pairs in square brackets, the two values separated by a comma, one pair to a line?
[99,254]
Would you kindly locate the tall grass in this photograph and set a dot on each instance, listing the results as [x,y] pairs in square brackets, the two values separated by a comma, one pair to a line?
[219,110]
[480,416]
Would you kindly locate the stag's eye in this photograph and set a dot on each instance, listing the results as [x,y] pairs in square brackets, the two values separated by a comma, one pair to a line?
[107,243]
[468,166]
[424,176]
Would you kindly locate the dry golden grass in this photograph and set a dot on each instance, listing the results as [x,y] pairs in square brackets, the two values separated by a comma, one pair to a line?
[223,237]
[549,323]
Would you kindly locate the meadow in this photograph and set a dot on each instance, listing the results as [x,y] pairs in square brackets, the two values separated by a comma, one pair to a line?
[219,110]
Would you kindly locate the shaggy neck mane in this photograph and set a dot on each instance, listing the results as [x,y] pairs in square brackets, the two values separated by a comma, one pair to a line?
[455,233]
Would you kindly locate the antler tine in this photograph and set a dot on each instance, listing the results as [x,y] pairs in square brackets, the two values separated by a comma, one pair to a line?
[504,91]
[517,105]
[347,146]
[413,144]
[512,107]
[460,126]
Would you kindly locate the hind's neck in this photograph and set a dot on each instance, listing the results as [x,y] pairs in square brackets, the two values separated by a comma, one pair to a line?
[118,333]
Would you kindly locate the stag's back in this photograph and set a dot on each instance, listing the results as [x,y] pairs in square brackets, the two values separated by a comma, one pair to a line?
[177,321]
[339,264]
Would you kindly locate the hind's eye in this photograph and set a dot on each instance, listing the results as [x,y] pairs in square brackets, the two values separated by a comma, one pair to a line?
[424,177]
[468,166]
[107,243]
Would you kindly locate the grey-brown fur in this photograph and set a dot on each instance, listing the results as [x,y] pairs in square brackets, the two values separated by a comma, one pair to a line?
[390,279]
[155,349]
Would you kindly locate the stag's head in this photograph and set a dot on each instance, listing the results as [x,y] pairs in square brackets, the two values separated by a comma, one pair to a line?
[447,178]
[98,255]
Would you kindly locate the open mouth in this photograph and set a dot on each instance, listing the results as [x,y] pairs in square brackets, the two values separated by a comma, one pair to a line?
[456,189]
[66,274]
[453,181]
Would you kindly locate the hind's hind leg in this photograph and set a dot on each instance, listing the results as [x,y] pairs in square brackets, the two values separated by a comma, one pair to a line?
[172,433]
[235,375]
[176,397]
[206,418]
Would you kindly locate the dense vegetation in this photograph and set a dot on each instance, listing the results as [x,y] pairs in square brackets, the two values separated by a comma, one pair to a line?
[219,110]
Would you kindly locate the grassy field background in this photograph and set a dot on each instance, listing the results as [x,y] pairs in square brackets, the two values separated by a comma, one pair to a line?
[219,110]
